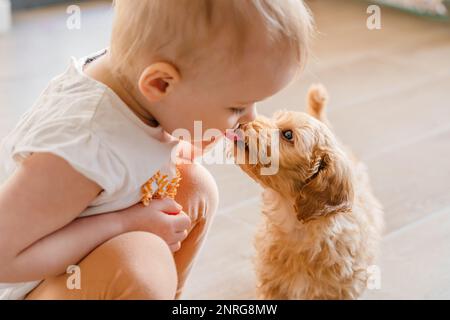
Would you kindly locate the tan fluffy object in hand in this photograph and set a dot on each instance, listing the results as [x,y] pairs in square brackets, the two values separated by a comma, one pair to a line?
[159,187]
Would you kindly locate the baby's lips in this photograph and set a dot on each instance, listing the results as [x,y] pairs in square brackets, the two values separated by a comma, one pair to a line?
[172,213]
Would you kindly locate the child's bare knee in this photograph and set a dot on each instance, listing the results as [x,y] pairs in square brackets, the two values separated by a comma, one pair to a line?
[198,191]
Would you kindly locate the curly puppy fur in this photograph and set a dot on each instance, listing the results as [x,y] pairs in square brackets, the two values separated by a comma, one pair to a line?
[321,223]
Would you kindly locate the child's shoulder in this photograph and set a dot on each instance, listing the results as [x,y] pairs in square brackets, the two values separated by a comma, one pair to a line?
[75,100]
[71,94]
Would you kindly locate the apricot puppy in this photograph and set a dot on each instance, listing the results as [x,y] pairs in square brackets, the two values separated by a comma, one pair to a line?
[321,223]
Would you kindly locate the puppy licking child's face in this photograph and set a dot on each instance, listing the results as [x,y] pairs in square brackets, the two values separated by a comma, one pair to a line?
[313,170]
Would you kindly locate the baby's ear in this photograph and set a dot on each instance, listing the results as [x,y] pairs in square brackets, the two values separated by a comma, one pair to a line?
[329,192]
[158,80]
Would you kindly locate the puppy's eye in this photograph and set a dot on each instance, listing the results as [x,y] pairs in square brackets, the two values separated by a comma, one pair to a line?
[288,135]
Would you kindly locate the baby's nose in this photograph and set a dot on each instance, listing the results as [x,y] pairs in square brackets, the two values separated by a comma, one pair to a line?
[250,115]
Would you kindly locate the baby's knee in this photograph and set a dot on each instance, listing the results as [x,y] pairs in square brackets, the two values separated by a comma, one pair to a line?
[198,191]
[145,267]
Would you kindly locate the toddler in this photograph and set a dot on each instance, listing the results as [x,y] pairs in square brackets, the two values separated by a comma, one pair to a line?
[72,221]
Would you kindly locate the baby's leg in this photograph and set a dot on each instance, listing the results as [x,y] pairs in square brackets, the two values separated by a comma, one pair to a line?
[198,194]
[133,265]
[139,265]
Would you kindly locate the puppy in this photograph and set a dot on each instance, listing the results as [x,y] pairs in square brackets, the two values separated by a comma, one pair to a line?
[321,223]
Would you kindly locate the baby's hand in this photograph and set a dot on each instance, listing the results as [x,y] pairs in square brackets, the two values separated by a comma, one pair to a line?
[162,217]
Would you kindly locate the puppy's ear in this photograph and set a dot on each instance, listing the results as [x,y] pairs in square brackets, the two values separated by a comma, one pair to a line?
[316,102]
[329,190]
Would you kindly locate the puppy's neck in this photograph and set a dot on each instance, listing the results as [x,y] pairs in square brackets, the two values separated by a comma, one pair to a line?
[279,210]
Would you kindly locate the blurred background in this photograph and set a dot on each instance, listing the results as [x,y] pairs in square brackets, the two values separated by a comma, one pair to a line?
[390,102]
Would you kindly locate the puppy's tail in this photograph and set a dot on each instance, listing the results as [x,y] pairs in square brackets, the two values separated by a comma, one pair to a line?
[316,101]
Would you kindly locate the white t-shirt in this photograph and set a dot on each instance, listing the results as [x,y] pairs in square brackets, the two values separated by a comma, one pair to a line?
[87,124]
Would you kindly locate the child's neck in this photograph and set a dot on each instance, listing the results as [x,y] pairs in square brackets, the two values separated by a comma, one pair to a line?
[99,69]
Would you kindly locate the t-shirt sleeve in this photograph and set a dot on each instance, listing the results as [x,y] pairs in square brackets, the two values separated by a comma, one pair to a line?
[80,147]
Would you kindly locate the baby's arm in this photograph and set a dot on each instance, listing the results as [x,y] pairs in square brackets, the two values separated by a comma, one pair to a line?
[38,234]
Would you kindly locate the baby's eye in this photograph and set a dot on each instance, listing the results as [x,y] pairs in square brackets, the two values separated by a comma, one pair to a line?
[237,110]
[287,135]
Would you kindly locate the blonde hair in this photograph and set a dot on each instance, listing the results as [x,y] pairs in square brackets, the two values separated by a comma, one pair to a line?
[178,31]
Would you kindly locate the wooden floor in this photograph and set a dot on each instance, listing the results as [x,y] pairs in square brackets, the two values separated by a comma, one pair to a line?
[390,101]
